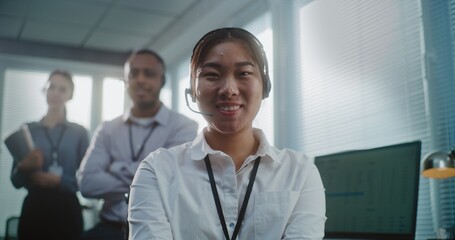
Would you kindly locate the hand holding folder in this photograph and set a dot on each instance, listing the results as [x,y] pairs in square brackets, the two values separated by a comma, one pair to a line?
[21,146]
[32,161]
[28,137]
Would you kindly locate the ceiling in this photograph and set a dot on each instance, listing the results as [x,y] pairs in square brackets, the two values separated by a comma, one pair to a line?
[113,26]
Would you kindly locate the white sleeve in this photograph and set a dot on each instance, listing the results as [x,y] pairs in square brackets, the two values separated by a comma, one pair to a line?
[147,217]
[307,220]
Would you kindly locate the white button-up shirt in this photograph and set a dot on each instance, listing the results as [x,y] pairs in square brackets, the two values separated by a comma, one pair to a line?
[171,197]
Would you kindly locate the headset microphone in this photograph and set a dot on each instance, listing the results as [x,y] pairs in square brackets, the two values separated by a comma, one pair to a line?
[187,92]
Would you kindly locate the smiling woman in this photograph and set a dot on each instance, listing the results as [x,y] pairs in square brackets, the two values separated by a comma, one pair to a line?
[267,193]
[229,85]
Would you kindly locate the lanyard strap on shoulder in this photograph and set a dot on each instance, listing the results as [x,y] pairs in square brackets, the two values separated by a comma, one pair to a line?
[55,146]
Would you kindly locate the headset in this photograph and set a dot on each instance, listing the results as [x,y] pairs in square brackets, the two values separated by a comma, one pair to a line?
[219,35]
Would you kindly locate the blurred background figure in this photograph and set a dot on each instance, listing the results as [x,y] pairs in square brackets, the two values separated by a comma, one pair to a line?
[46,155]
[119,145]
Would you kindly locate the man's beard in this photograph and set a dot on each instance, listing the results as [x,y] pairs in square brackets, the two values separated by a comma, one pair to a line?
[147,104]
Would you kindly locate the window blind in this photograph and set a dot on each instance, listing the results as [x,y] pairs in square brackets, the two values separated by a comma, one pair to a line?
[362,81]
[261,28]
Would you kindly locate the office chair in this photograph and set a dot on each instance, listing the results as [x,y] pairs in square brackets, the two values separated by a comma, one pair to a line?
[12,224]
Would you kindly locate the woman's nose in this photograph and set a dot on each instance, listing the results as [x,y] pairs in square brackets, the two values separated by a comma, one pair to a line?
[228,87]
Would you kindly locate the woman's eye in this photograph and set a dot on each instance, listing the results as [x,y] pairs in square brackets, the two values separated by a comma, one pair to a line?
[210,75]
[244,74]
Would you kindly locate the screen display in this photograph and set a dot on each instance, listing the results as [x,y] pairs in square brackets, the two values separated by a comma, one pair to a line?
[372,192]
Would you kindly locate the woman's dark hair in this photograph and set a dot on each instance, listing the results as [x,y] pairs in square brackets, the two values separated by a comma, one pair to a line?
[220,35]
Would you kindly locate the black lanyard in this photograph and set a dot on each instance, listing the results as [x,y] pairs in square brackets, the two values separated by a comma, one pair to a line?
[135,157]
[245,200]
[55,147]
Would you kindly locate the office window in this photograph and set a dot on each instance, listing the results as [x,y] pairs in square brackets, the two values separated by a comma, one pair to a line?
[32,105]
[80,107]
[261,28]
[362,80]
[24,101]
[113,98]
[166,95]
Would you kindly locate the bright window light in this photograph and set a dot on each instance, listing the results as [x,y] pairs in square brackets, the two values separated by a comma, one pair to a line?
[113,98]
[79,108]
[261,28]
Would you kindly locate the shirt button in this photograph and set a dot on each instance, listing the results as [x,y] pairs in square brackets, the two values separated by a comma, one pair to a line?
[231,225]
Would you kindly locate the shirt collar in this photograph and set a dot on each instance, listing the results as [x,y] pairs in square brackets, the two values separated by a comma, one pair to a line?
[161,117]
[63,123]
[200,147]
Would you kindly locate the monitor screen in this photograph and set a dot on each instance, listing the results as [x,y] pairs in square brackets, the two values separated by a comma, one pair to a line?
[371,193]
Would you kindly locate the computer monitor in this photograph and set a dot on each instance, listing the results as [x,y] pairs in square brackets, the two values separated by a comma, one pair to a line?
[371,193]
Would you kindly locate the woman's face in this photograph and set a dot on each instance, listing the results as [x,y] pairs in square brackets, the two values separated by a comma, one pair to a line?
[229,86]
[58,91]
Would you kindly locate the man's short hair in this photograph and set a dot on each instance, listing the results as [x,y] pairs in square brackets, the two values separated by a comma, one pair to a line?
[153,54]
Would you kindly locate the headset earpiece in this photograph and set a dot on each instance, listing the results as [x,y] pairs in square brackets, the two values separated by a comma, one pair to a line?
[189,91]
[267,86]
